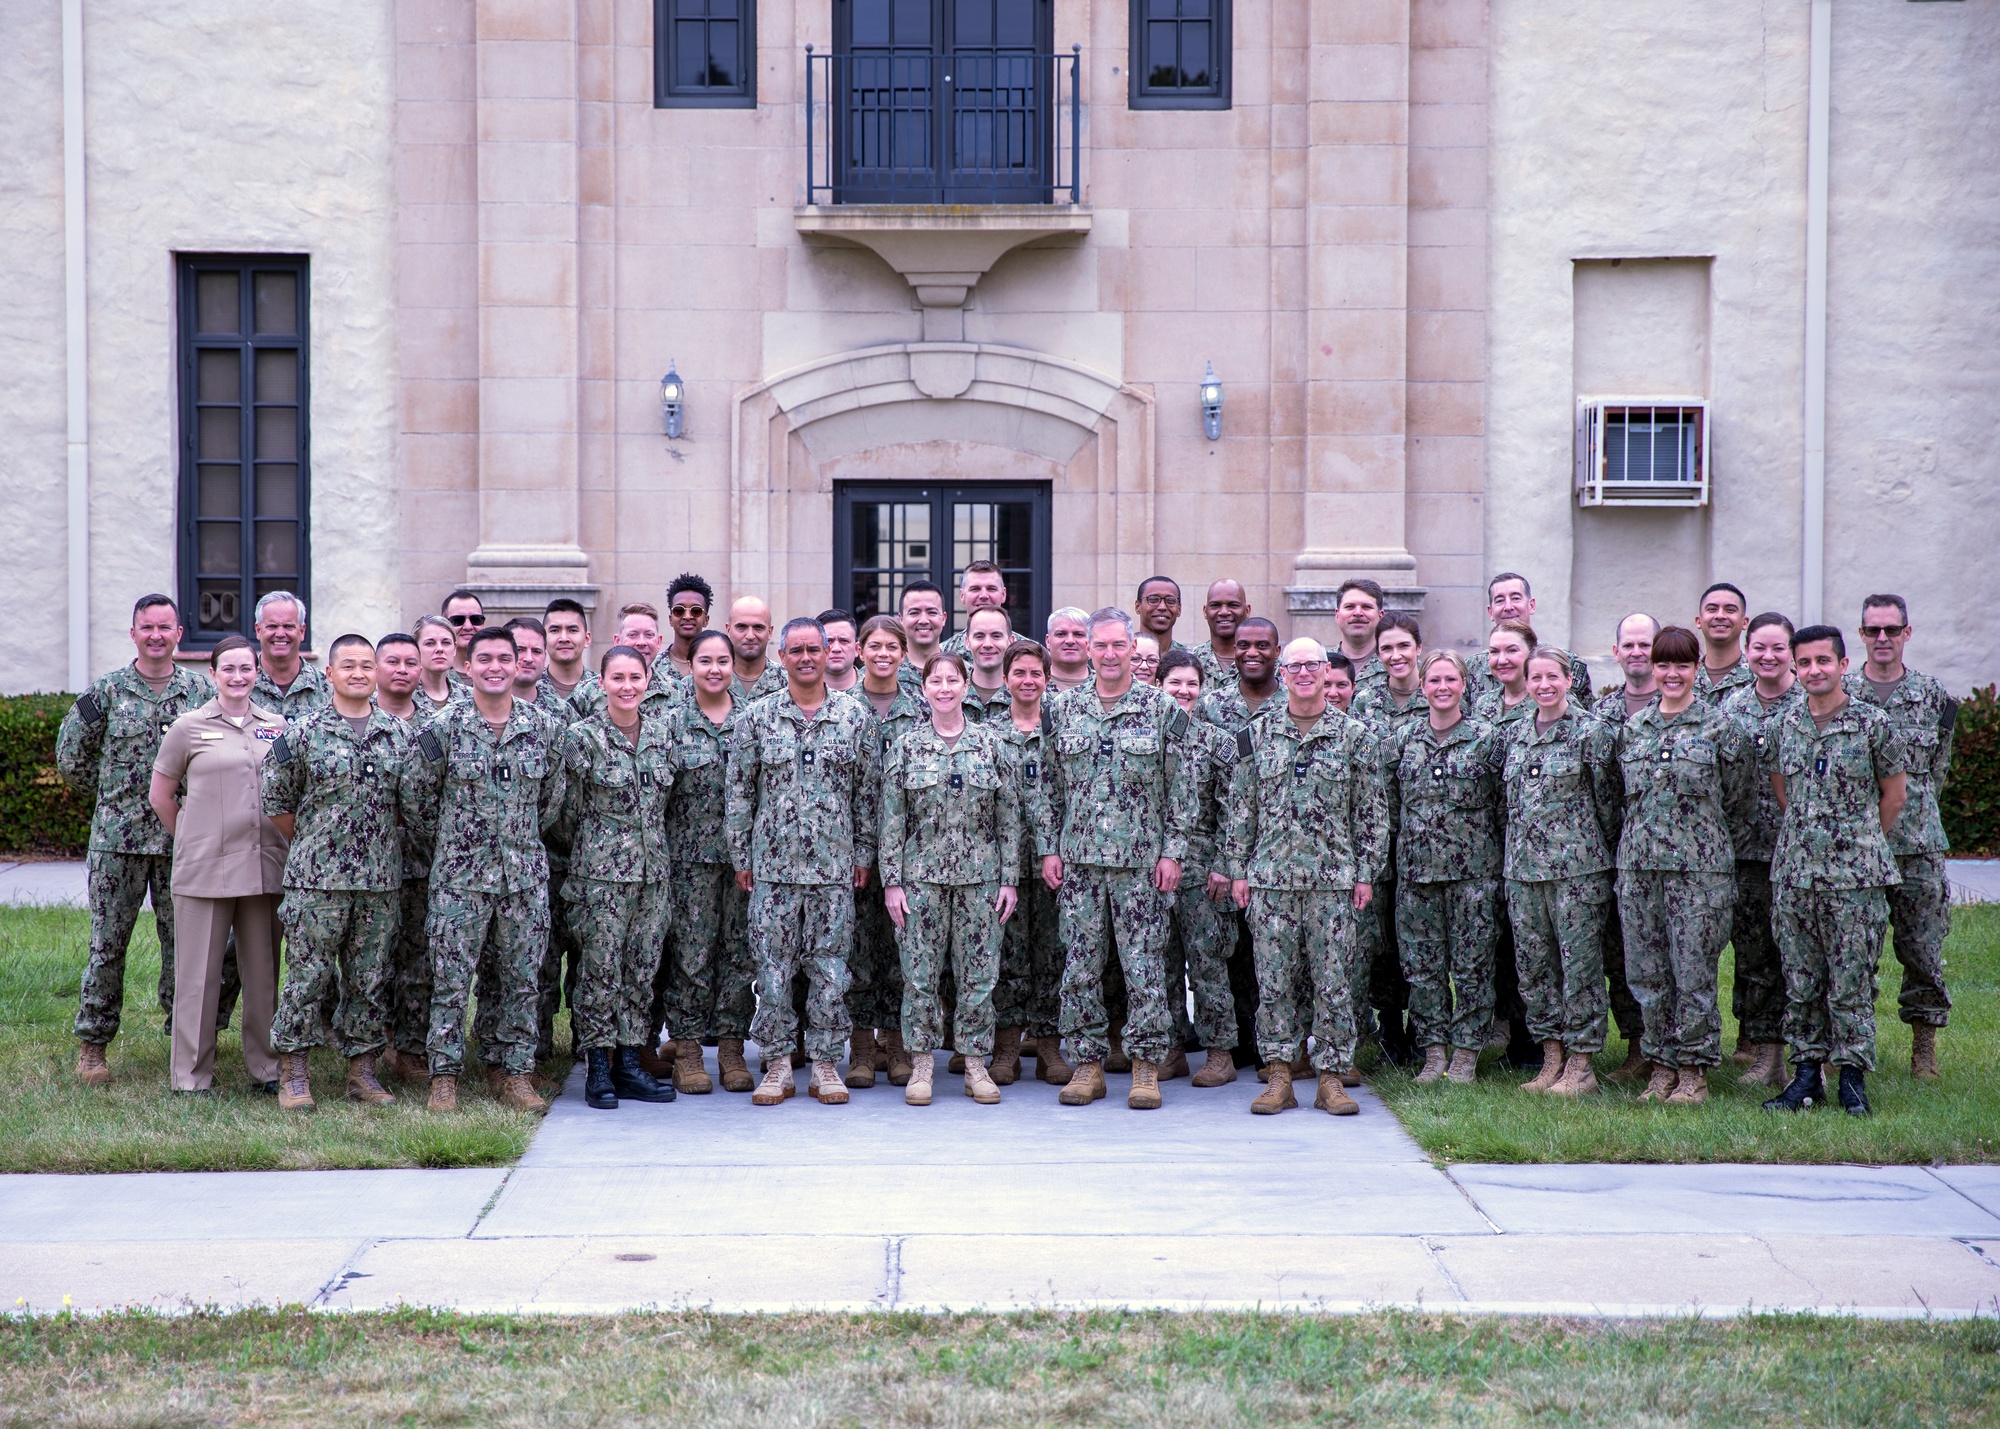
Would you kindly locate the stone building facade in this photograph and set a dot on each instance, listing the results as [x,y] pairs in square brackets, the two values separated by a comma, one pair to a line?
[1413,239]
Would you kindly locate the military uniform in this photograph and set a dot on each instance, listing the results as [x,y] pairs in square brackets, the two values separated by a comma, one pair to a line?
[1227,709]
[951,835]
[1711,688]
[772,681]
[1307,820]
[1564,804]
[1610,709]
[875,966]
[1446,789]
[344,875]
[105,748]
[707,986]
[1757,996]
[410,978]
[1120,816]
[801,817]
[1215,673]
[1479,681]
[982,708]
[1029,990]
[618,885]
[307,692]
[1920,905]
[1382,707]
[1368,674]
[490,798]
[1830,873]
[1202,931]
[1384,986]
[1689,779]
[662,693]
[564,959]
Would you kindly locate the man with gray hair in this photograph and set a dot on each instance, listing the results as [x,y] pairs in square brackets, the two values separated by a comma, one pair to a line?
[286,684]
[1632,645]
[1124,823]
[1069,649]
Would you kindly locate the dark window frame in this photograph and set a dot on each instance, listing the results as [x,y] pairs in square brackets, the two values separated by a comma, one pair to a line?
[1141,95]
[665,93]
[190,342]
[941,495]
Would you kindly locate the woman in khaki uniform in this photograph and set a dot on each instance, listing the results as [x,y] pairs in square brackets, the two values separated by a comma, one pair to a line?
[229,866]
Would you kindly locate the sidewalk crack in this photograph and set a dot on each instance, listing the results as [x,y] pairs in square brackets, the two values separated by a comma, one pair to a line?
[1430,1245]
[1478,1209]
[345,1275]
[491,1201]
[1932,1172]
[892,1272]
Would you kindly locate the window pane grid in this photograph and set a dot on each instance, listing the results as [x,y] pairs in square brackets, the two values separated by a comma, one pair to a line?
[705,53]
[1180,54]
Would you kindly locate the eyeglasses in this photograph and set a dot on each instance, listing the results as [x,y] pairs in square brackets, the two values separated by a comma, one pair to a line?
[1883,632]
[687,612]
[1303,667]
[466,619]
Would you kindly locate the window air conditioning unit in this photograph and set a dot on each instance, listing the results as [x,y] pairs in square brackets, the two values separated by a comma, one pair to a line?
[1641,451]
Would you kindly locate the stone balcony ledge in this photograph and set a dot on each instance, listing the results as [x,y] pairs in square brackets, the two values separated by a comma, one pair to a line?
[942,250]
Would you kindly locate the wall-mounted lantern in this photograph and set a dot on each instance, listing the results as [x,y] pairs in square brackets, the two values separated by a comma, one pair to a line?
[673,399]
[1211,404]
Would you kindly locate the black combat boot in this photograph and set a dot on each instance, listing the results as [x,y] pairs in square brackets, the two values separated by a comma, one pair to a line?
[1806,1091]
[633,1081]
[1854,1091]
[598,1091]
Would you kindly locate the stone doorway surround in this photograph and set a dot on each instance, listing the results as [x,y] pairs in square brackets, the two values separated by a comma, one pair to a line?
[937,411]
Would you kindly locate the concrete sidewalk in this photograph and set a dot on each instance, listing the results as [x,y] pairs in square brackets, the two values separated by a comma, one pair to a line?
[711,1202]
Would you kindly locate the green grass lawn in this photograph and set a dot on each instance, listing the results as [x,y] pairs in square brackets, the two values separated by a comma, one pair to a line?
[49,1122]
[418,1368]
[1956,1119]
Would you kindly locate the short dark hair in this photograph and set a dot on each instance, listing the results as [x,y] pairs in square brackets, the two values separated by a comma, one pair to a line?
[800,622]
[686,581]
[620,652]
[1371,589]
[1769,617]
[1399,620]
[712,634]
[1741,599]
[875,623]
[562,604]
[528,622]
[225,645]
[341,642]
[918,588]
[835,616]
[1813,634]
[1526,589]
[1676,645]
[461,593]
[1261,620]
[1158,580]
[147,602]
[491,632]
[395,637]
[1337,661]
[1902,606]
[1024,649]
[1177,659]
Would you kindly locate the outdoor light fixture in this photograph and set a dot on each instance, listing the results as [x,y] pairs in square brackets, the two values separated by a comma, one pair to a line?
[1211,404]
[673,395]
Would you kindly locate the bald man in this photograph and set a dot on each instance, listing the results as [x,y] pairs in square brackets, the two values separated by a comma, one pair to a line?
[750,632]
[1225,608]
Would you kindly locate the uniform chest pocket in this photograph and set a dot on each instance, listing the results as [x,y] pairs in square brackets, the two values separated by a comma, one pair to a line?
[1139,744]
[471,768]
[1922,746]
[529,764]
[1694,750]
[981,774]
[130,721]
[695,754]
[839,753]
[777,750]
[1072,746]
[655,769]
[616,776]
[922,776]
[331,761]
[1273,762]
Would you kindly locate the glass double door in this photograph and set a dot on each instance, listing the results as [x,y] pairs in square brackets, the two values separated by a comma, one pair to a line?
[943,101]
[886,536]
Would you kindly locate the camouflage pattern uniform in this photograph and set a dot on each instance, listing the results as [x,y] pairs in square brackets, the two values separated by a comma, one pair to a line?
[1378,705]
[951,830]
[1029,990]
[614,823]
[1368,674]
[106,748]
[1713,689]
[1689,779]
[875,966]
[1564,804]
[801,817]
[410,979]
[1215,675]
[563,962]
[1307,820]
[1920,905]
[457,687]
[489,800]
[771,682]
[987,709]
[1227,709]
[662,694]
[1203,933]
[1831,872]
[344,874]
[1446,789]
[1120,817]
[1383,984]
[707,986]
[1480,682]
[308,691]
[1757,997]
[1610,709]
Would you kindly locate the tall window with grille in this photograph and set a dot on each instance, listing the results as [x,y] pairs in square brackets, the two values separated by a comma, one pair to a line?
[887,535]
[244,467]
[1180,54]
[705,54]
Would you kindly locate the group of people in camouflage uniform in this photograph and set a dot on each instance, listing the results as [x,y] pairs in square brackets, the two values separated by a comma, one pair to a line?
[1098,853]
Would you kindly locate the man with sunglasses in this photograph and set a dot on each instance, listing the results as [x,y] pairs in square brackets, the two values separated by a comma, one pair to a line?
[1920,906]
[467,615]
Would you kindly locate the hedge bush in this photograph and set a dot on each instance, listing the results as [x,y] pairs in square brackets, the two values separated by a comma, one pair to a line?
[1970,800]
[39,812]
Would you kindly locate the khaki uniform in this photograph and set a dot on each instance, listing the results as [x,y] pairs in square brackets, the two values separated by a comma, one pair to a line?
[229,869]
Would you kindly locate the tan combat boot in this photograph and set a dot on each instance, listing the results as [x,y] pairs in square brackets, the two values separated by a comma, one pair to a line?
[730,1063]
[824,1085]
[659,1064]
[362,1085]
[861,1058]
[91,1068]
[979,1082]
[691,1077]
[517,1090]
[1579,1078]
[1434,1066]
[1175,1065]
[1006,1064]
[1552,1067]
[956,1066]
[1350,1076]
[1464,1068]
[1333,1098]
[294,1087]
[1277,1094]
[777,1085]
[1086,1085]
[1145,1093]
[1049,1060]
[917,1090]
[1691,1089]
[1923,1052]
[1635,1067]
[1115,1059]
[1746,1051]
[1218,1071]
[444,1093]
[1302,1065]
[900,1061]
[1767,1069]
[1660,1085]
